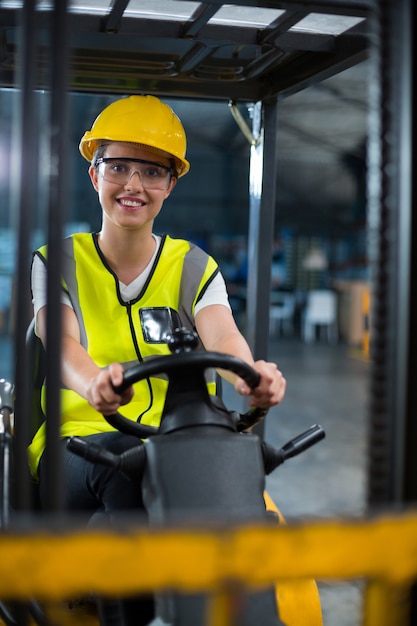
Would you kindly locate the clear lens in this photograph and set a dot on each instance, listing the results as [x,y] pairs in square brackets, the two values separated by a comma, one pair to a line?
[120,171]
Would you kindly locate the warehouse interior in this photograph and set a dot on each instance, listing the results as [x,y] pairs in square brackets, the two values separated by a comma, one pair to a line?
[335,214]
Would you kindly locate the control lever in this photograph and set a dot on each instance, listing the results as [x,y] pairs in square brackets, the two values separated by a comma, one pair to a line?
[131,462]
[274,457]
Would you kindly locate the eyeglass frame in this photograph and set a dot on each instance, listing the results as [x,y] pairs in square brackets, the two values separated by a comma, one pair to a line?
[170,170]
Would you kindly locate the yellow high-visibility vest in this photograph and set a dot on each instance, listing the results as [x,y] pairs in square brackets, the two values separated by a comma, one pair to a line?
[126,332]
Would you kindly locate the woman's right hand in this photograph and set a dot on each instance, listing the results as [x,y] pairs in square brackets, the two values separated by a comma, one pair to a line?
[100,391]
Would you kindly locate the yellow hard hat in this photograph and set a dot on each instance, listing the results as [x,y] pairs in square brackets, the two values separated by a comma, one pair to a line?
[139,119]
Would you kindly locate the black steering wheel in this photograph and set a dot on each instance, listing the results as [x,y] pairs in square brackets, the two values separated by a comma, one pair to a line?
[188,403]
[185,369]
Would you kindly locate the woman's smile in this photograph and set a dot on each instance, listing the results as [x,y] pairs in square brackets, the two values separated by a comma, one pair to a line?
[130,204]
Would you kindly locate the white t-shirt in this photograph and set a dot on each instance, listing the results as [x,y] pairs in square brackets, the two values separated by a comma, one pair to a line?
[215,293]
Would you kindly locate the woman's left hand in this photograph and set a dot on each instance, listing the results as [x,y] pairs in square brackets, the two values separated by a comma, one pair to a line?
[271,388]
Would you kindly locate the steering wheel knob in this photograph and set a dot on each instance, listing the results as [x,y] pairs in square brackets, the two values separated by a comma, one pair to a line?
[182,340]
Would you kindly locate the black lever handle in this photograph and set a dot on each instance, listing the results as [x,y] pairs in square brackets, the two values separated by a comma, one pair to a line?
[131,462]
[274,457]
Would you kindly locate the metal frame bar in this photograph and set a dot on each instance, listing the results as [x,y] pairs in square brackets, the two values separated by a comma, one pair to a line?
[24,192]
[166,56]
[390,203]
[56,212]
[261,225]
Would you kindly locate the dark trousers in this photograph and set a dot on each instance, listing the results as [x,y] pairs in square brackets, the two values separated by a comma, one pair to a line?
[104,491]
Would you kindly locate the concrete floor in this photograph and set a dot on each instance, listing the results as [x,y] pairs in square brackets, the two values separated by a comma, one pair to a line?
[326,385]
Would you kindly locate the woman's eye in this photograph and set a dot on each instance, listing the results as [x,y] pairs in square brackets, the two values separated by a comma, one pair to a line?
[153,172]
[119,168]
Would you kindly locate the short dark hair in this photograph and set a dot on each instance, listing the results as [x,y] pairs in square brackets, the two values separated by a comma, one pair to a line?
[99,153]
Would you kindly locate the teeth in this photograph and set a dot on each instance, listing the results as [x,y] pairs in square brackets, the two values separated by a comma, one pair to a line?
[131,203]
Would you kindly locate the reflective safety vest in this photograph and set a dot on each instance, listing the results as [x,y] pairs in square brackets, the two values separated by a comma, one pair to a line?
[126,332]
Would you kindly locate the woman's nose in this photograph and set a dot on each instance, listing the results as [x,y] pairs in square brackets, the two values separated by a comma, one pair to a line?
[135,180]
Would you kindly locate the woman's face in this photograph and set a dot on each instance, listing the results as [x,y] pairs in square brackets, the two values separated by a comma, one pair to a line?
[130,204]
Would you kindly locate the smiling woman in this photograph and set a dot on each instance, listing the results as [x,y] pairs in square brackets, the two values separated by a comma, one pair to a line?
[141,286]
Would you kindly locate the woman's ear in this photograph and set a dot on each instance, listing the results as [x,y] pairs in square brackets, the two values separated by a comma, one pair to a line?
[93,172]
[171,186]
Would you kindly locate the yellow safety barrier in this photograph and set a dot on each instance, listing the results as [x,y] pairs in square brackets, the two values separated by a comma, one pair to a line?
[298,600]
[59,564]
